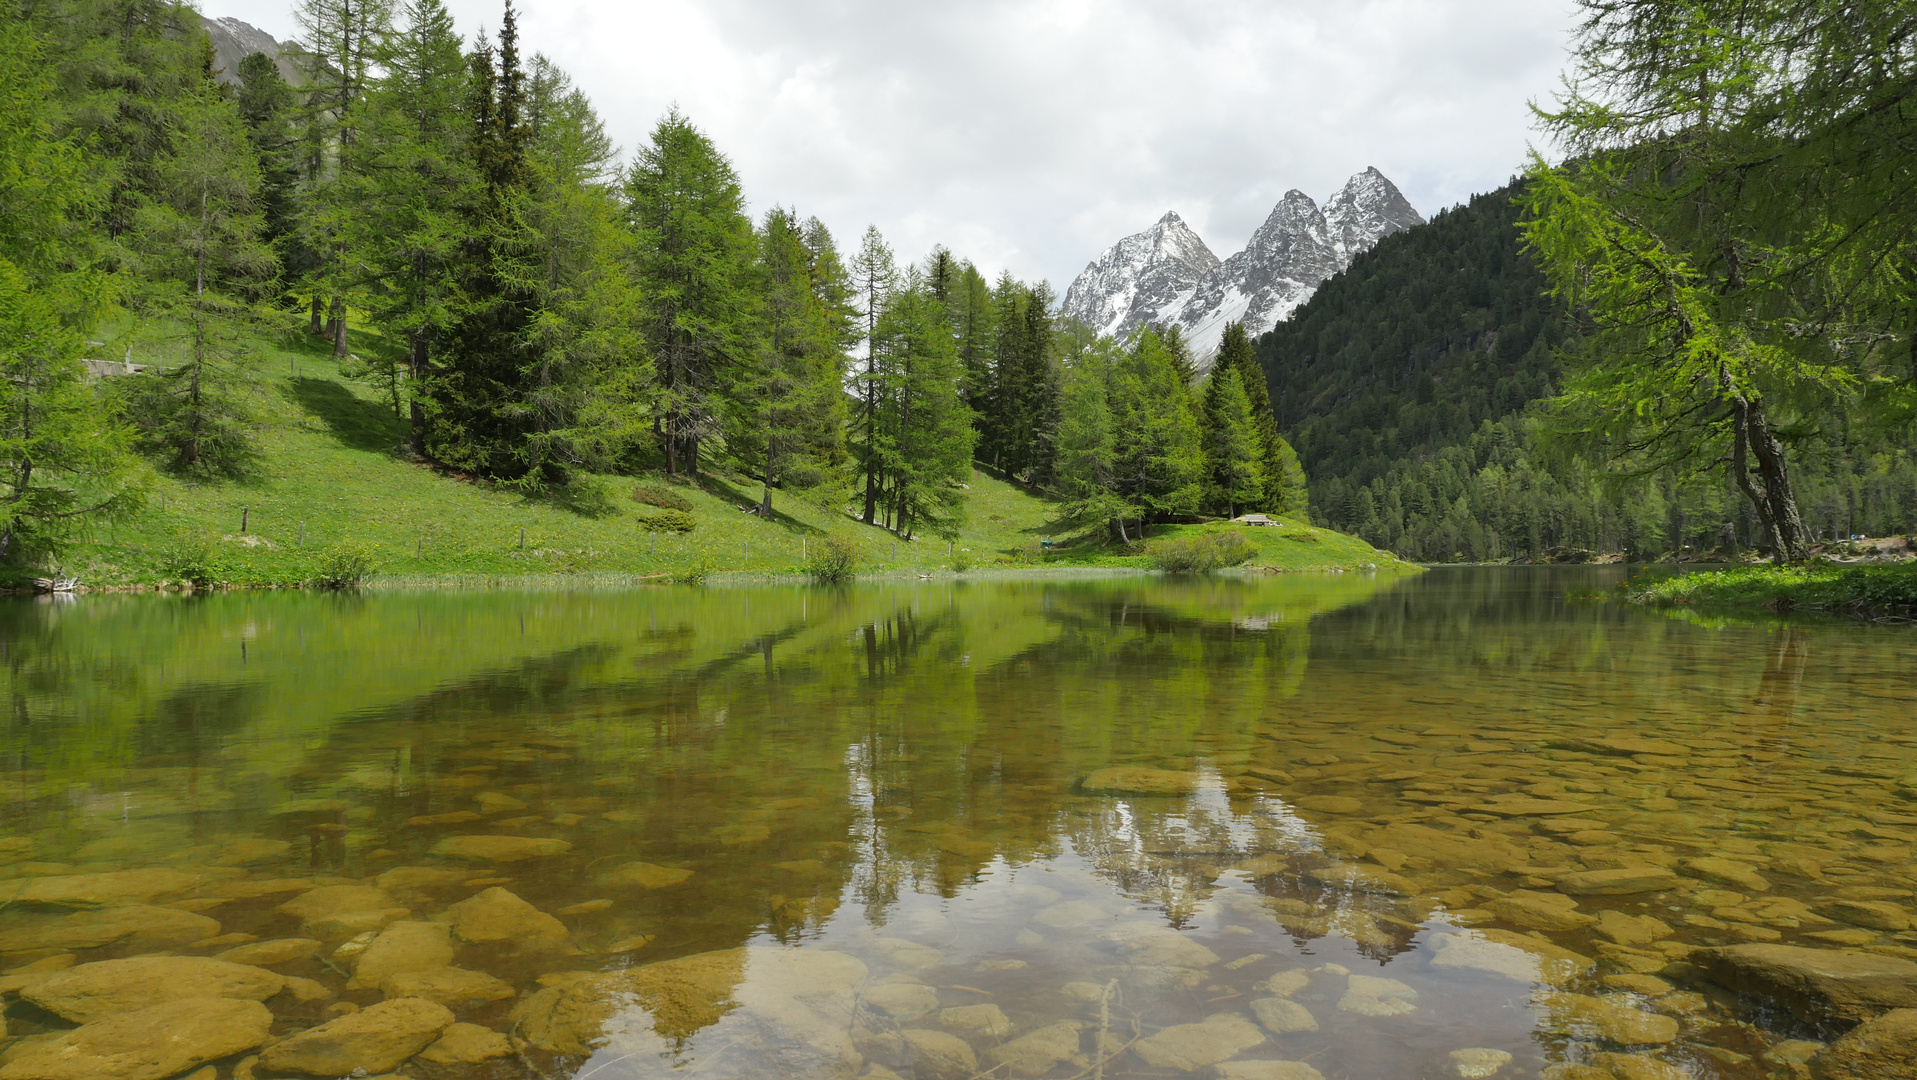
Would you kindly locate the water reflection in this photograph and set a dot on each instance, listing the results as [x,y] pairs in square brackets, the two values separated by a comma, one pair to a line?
[1246,827]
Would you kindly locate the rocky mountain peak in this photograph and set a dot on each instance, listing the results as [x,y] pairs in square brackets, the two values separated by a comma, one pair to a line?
[234,41]
[1167,276]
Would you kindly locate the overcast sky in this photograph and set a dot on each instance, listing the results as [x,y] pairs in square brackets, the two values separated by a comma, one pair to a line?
[1030,134]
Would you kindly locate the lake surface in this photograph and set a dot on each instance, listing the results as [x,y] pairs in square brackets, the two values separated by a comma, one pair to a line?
[1061,828]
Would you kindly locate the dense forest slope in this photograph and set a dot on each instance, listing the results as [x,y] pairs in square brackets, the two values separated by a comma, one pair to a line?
[1409,387]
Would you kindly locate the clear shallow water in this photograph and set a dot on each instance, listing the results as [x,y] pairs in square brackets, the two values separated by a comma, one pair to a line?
[1083,814]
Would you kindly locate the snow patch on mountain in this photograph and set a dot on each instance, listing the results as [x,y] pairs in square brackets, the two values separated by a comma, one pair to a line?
[1166,276]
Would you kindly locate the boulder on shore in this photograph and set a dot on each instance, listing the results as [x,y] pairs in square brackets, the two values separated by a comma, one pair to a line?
[1824,987]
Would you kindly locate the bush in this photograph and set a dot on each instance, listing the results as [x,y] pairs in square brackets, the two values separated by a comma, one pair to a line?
[834,561]
[1201,553]
[662,497]
[192,562]
[694,574]
[345,565]
[961,560]
[667,521]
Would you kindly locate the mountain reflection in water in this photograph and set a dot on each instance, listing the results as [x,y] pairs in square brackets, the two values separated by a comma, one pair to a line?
[1351,826]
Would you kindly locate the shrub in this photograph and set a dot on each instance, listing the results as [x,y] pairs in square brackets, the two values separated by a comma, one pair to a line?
[667,521]
[662,497]
[695,574]
[192,562]
[834,561]
[1201,553]
[345,565]
[961,560]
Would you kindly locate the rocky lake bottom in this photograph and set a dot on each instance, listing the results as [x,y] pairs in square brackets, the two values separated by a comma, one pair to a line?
[1454,826]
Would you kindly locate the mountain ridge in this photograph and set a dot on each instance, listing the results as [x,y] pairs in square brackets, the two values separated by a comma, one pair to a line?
[1166,275]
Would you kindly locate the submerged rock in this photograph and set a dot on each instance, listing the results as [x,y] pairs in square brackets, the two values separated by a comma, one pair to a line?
[1883,1047]
[1478,1062]
[1586,1017]
[500,916]
[1540,912]
[373,1040]
[467,1044]
[1153,945]
[146,1044]
[1368,995]
[1282,1016]
[1035,1053]
[268,953]
[1729,872]
[988,1020]
[337,911]
[95,991]
[939,1054]
[113,888]
[1622,881]
[1132,780]
[1819,986]
[137,926]
[643,875]
[792,1007]
[1268,1070]
[1190,1047]
[903,1002]
[448,986]
[402,946]
[500,848]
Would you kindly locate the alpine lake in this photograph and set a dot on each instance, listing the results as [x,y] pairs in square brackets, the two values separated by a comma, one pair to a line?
[1359,827]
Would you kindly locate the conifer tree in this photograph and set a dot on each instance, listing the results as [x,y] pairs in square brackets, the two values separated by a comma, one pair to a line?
[1234,472]
[200,264]
[925,430]
[268,107]
[973,320]
[64,459]
[692,264]
[875,276]
[415,186]
[1180,350]
[1087,450]
[1284,480]
[1158,460]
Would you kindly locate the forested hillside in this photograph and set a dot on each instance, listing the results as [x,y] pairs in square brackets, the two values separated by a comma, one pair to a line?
[1410,384]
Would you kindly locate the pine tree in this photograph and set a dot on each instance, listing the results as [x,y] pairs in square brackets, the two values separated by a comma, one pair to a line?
[875,276]
[341,39]
[1158,460]
[1284,479]
[201,265]
[1087,450]
[1180,350]
[1234,471]
[64,460]
[973,319]
[268,107]
[787,405]
[693,265]
[415,185]
[926,436]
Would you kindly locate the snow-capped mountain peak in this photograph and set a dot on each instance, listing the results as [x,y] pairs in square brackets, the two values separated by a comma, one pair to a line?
[1138,277]
[1167,276]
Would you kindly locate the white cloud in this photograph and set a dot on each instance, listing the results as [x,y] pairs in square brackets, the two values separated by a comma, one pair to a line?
[1029,134]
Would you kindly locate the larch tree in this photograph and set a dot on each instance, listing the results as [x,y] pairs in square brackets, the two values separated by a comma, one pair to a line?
[1234,470]
[925,429]
[693,255]
[875,276]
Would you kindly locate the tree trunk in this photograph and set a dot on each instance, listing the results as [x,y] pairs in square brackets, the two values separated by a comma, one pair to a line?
[416,418]
[1769,492]
[339,328]
[315,326]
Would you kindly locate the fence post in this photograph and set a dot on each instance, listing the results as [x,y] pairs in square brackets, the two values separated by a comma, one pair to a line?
[243,513]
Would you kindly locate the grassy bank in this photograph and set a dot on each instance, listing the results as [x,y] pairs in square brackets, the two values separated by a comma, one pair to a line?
[1868,591]
[331,475]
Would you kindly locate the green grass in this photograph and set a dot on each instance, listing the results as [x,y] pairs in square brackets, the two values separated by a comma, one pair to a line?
[1877,590]
[332,474]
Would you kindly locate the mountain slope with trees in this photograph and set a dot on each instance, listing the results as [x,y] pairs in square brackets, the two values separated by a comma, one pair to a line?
[1413,385]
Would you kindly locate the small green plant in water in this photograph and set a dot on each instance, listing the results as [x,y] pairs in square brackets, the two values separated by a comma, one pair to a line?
[668,521]
[834,561]
[1200,554]
[345,565]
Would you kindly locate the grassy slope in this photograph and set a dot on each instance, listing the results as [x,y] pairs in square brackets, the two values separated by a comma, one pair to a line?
[1871,591]
[329,467]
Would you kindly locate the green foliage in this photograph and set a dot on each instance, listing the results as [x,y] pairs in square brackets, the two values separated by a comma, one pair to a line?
[674,521]
[924,434]
[1862,590]
[1234,469]
[191,561]
[345,565]
[834,561]
[1201,553]
[661,496]
[694,573]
